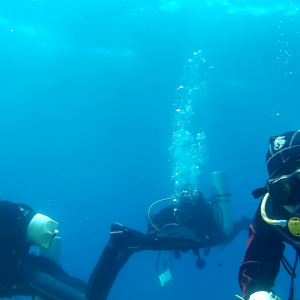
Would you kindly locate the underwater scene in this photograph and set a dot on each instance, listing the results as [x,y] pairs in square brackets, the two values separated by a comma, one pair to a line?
[107,107]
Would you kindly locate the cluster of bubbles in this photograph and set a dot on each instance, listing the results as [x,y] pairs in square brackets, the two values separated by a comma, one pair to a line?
[188,150]
[289,40]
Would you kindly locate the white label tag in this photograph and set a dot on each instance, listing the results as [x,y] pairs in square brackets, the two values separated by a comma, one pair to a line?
[165,277]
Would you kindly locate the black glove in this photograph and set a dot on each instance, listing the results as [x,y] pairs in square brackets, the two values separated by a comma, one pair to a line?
[200,263]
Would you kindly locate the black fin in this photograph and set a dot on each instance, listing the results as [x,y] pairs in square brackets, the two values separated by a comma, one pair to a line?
[260,192]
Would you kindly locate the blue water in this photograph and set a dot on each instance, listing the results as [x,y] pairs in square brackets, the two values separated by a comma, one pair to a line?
[86,116]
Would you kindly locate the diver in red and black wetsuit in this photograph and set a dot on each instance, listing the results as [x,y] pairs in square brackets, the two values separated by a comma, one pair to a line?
[277,220]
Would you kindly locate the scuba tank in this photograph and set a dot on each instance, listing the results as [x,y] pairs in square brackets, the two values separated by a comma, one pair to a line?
[221,201]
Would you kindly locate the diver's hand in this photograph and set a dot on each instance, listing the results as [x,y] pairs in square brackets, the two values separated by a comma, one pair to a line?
[200,263]
[179,232]
[262,295]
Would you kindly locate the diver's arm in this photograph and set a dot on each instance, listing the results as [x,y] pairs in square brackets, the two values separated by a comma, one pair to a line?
[13,236]
[163,217]
[55,270]
[261,263]
[37,276]
[133,239]
[238,226]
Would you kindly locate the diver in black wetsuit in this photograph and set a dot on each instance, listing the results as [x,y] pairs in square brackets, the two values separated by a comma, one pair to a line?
[26,274]
[197,216]
[191,227]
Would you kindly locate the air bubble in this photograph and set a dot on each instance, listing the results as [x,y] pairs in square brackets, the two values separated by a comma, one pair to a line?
[188,155]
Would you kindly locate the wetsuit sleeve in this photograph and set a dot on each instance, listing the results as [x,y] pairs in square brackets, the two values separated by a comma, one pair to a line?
[41,277]
[261,262]
[162,218]
[13,245]
[13,235]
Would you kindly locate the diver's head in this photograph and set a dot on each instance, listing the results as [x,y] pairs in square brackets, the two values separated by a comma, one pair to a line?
[281,201]
[283,164]
[188,194]
[40,229]
[186,204]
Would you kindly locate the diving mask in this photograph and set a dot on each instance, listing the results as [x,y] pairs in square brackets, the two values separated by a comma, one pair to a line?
[286,188]
[187,194]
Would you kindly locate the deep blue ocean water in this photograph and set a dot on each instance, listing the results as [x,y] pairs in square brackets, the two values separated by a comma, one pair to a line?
[86,108]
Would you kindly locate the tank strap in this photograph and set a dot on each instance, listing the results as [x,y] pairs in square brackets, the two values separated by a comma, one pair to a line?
[215,198]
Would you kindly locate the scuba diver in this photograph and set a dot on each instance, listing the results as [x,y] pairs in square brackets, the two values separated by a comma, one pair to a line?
[276,221]
[194,217]
[25,274]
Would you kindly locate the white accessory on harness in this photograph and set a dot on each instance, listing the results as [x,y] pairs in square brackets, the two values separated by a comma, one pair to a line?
[41,230]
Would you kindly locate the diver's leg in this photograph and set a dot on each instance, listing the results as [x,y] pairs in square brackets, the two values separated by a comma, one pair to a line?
[105,272]
[122,260]
[122,244]
[242,223]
